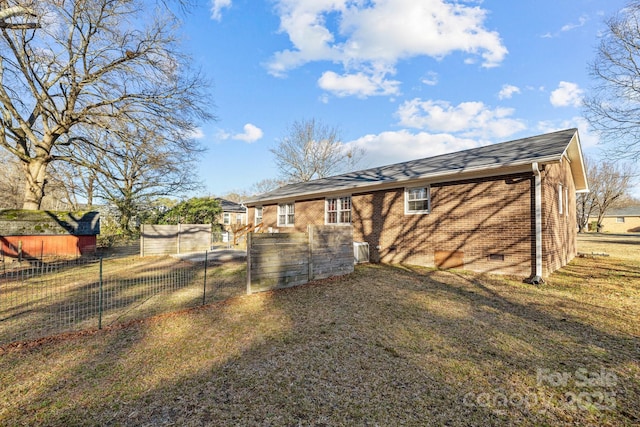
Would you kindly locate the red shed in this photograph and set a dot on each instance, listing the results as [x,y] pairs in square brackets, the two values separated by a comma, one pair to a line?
[37,234]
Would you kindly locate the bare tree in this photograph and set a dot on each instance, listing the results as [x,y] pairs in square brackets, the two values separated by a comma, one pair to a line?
[17,17]
[77,185]
[313,150]
[613,107]
[609,184]
[87,65]
[586,202]
[133,167]
[266,185]
[12,186]
[11,181]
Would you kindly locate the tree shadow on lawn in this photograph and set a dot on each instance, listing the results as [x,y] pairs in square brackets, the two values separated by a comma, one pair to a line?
[385,345]
[51,304]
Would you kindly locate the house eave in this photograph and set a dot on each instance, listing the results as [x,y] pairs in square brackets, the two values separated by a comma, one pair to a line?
[573,153]
[435,178]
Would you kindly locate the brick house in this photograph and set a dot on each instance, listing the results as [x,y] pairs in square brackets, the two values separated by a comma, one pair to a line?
[232,214]
[506,208]
[620,220]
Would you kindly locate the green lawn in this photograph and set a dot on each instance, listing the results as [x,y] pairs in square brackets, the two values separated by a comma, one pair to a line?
[383,346]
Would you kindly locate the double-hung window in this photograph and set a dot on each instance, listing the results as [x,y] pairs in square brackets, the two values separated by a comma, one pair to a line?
[560,202]
[286,214]
[417,200]
[226,218]
[258,215]
[338,210]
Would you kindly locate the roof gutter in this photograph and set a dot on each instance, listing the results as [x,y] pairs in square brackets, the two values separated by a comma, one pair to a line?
[449,176]
[537,278]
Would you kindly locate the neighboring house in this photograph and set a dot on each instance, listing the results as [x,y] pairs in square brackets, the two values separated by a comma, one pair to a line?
[621,220]
[507,208]
[232,214]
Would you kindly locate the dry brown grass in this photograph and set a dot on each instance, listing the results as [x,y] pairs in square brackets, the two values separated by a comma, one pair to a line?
[624,246]
[383,346]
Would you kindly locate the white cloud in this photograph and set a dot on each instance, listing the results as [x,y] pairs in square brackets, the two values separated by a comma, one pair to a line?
[572,26]
[251,134]
[399,146]
[197,133]
[358,84]
[589,140]
[430,79]
[469,119]
[216,8]
[222,134]
[582,20]
[374,36]
[567,94]
[508,91]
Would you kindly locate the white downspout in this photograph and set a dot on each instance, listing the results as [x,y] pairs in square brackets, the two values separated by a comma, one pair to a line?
[537,279]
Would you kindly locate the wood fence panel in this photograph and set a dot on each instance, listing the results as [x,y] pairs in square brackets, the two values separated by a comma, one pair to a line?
[331,250]
[163,239]
[194,238]
[281,260]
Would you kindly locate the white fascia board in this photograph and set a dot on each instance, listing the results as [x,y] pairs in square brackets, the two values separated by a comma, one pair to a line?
[443,177]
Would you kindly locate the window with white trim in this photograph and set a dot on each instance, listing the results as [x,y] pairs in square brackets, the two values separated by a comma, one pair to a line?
[338,210]
[417,200]
[240,219]
[560,202]
[226,218]
[258,215]
[286,214]
[619,219]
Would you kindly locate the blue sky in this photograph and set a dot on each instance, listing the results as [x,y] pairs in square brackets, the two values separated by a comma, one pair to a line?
[403,79]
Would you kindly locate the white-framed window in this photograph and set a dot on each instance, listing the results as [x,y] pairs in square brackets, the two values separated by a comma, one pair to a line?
[286,214]
[560,202]
[417,200]
[620,219]
[338,210]
[258,215]
[240,219]
[226,218]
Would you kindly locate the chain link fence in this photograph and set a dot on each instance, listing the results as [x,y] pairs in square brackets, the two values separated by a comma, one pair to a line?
[41,298]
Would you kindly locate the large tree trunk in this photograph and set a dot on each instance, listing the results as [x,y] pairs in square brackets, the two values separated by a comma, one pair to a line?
[35,174]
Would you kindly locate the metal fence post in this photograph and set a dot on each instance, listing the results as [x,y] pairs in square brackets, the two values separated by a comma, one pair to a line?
[204,286]
[100,297]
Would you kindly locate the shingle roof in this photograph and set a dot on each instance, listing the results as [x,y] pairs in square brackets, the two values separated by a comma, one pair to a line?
[626,211]
[542,148]
[229,206]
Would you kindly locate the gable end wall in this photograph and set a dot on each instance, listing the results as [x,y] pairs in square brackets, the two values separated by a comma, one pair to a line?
[559,230]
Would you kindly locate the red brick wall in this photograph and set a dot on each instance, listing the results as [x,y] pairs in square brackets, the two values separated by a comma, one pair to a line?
[477,218]
[309,212]
[471,219]
[306,212]
[559,233]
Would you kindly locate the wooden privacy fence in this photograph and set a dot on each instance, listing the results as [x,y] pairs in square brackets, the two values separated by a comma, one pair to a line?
[281,260]
[174,239]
